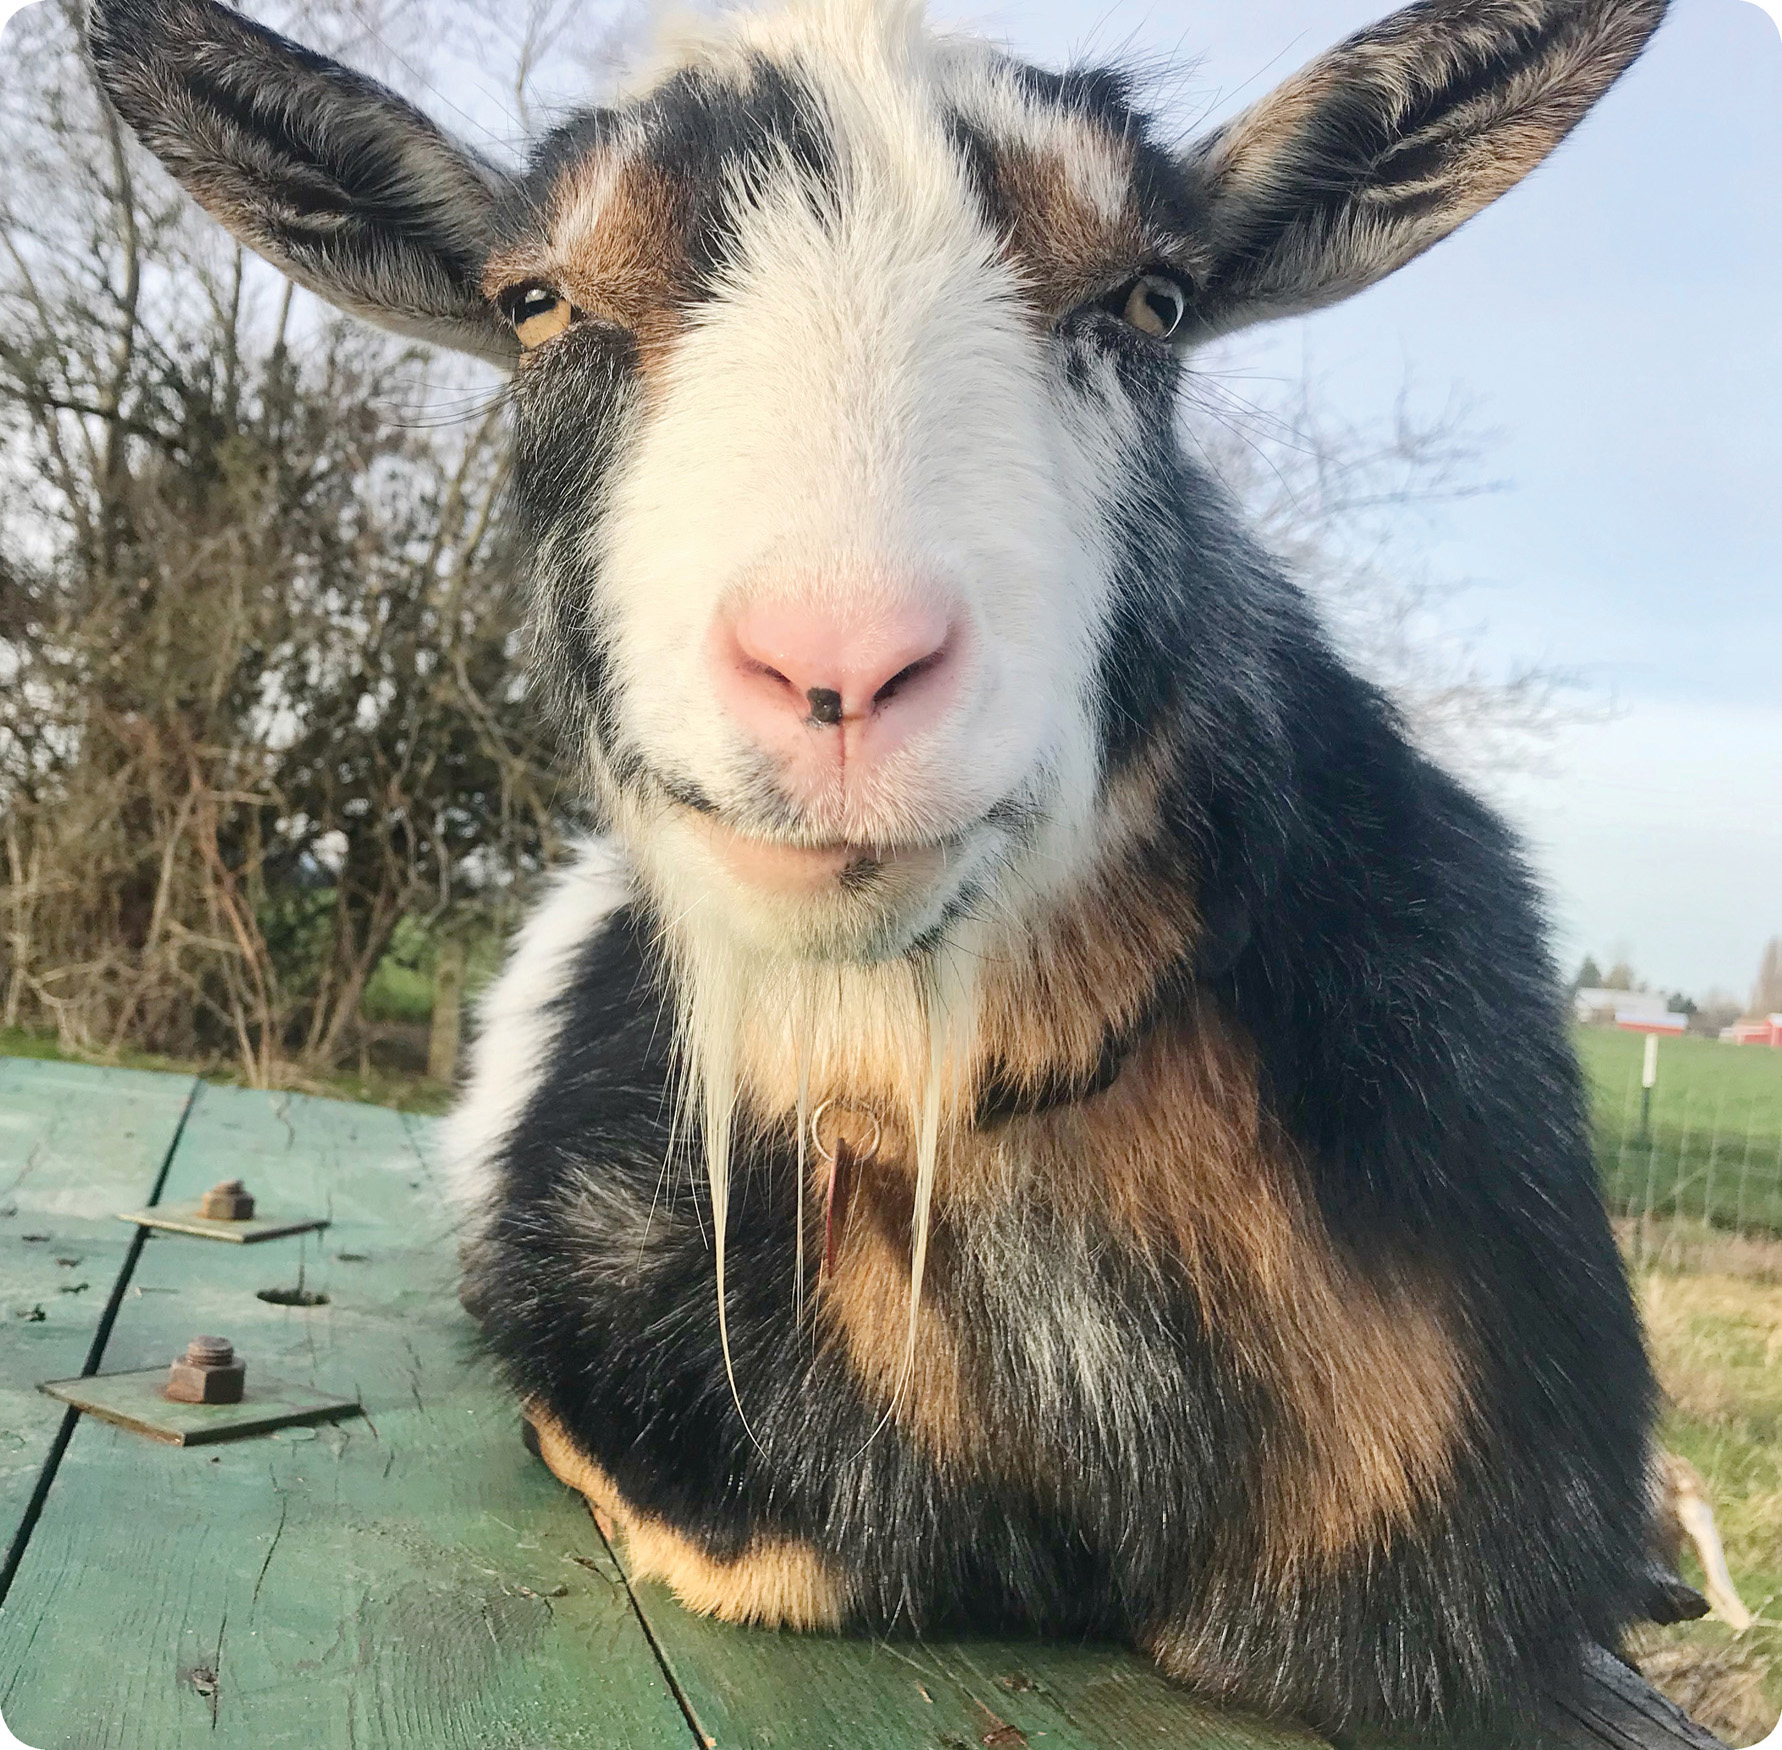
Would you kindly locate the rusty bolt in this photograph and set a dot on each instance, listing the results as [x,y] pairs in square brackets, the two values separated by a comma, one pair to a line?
[228,1201]
[207,1373]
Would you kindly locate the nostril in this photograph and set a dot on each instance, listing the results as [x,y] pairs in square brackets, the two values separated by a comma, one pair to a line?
[826,705]
[770,676]
[903,677]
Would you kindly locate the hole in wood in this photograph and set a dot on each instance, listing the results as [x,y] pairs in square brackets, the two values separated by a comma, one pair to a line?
[293,1296]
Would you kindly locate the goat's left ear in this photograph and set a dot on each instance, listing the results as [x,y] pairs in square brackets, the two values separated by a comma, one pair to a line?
[1384,145]
[350,190]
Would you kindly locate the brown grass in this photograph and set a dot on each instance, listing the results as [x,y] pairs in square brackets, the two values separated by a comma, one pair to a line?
[1716,1336]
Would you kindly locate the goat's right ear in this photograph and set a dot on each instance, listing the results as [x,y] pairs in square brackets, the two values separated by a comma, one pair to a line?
[1381,147]
[349,189]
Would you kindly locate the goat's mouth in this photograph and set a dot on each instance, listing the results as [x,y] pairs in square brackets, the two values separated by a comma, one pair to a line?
[792,889]
[791,870]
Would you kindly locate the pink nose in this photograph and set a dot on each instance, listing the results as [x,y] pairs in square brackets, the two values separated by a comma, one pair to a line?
[857,679]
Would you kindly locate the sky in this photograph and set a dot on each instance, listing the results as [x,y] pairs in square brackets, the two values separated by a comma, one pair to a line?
[1612,324]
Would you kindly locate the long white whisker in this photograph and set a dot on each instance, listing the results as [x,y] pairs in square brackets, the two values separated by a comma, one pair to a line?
[719,1093]
[946,1009]
[927,1157]
[807,1024]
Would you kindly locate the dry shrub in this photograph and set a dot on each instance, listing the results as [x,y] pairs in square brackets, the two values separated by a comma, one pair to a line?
[258,695]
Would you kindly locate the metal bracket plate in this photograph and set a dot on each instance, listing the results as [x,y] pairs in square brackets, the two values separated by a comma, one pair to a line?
[183,1218]
[137,1401]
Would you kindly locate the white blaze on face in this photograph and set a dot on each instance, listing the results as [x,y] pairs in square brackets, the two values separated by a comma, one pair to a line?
[867,411]
[869,421]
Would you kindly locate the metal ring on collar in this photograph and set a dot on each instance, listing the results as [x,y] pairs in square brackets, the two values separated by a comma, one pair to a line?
[826,1155]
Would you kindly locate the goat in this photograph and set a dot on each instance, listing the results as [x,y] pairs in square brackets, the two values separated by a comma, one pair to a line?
[1044,1109]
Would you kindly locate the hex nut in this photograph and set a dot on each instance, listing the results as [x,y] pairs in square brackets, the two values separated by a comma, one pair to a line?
[207,1373]
[228,1201]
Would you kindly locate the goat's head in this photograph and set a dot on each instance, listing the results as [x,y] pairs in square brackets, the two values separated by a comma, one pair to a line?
[844,355]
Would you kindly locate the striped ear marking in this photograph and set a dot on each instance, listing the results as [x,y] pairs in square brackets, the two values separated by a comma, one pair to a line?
[336,181]
[1386,144]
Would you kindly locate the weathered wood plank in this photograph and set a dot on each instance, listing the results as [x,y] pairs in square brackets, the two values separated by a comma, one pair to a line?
[408,1579]
[1614,1708]
[77,1144]
[769,1691]
[792,1692]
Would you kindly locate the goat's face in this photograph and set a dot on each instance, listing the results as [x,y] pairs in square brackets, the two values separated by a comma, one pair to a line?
[843,370]
[844,362]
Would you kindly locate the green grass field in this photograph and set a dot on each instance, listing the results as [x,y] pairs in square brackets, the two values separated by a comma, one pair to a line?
[1714,1149]
[1711,1163]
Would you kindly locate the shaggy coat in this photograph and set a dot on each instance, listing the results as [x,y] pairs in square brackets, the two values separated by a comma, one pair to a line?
[1142,1187]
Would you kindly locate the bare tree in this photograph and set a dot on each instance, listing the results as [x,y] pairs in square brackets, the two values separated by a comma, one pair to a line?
[1766,993]
[261,701]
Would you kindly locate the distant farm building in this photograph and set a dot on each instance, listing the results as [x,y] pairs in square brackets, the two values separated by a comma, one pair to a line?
[1646,1009]
[1755,1030]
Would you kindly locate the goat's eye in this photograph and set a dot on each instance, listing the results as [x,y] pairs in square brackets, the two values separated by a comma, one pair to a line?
[537,311]
[1153,304]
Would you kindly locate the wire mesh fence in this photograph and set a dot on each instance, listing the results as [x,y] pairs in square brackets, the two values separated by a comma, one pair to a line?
[1702,1150]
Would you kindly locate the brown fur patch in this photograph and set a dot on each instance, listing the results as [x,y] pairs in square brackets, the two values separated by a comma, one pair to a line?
[777,1584]
[1363,1365]
[1065,247]
[617,250]
[1047,1004]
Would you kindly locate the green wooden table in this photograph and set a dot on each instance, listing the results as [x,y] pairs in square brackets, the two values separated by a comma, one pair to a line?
[408,1576]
